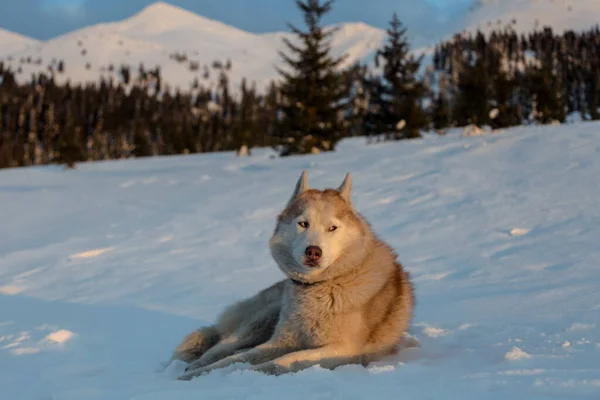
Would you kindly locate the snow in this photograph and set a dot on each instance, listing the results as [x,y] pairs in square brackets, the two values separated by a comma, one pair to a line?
[519,232]
[517,354]
[434,332]
[160,30]
[104,269]
[577,327]
[11,42]
[60,336]
[561,15]
[156,32]
[92,253]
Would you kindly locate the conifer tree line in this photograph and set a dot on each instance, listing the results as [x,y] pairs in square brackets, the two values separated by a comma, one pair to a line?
[44,123]
[509,79]
[499,80]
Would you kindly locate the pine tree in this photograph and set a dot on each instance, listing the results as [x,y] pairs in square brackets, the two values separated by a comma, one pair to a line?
[474,94]
[125,74]
[6,151]
[70,147]
[359,93]
[314,94]
[141,141]
[547,91]
[504,111]
[50,133]
[157,77]
[399,94]
[20,154]
[592,93]
[441,112]
[33,150]
[267,123]
[244,123]
[508,112]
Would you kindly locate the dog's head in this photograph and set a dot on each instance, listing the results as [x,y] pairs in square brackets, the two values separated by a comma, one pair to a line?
[316,231]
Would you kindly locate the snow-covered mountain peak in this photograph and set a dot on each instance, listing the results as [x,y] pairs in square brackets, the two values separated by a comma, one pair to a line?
[161,17]
[191,49]
[526,15]
[11,42]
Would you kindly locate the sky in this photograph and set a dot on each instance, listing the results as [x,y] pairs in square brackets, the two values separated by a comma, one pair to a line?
[44,19]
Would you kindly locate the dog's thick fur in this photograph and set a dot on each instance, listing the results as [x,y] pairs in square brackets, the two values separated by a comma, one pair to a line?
[351,306]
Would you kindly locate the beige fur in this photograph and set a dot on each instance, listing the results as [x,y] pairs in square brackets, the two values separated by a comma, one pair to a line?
[353,307]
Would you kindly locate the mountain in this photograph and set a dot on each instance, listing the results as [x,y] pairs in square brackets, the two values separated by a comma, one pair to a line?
[526,15]
[11,42]
[188,47]
[162,33]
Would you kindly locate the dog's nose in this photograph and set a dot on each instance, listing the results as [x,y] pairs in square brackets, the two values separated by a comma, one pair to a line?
[313,253]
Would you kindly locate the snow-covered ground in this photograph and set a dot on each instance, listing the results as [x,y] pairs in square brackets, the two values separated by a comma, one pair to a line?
[105,268]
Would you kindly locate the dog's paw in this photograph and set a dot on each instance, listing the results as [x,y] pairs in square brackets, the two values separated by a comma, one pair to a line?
[201,363]
[270,368]
[195,345]
[192,366]
[184,377]
[191,374]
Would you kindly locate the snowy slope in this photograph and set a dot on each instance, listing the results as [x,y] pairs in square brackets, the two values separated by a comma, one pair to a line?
[530,14]
[11,42]
[104,269]
[160,30]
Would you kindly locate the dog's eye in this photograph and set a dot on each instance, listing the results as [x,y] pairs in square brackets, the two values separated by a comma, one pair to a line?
[303,224]
[332,228]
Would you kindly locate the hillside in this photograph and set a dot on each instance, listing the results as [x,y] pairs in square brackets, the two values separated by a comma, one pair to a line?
[526,15]
[161,32]
[14,43]
[104,269]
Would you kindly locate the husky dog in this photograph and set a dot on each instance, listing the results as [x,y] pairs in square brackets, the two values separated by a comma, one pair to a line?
[345,299]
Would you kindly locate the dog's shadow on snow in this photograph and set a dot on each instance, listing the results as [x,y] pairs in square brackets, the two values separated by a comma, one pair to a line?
[74,332]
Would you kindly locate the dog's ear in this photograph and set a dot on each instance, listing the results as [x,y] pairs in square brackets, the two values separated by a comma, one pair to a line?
[301,187]
[346,188]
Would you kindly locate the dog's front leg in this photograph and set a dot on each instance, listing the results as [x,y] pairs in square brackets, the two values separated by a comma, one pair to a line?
[196,344]
[259,354]
[328,357]
[222,350]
